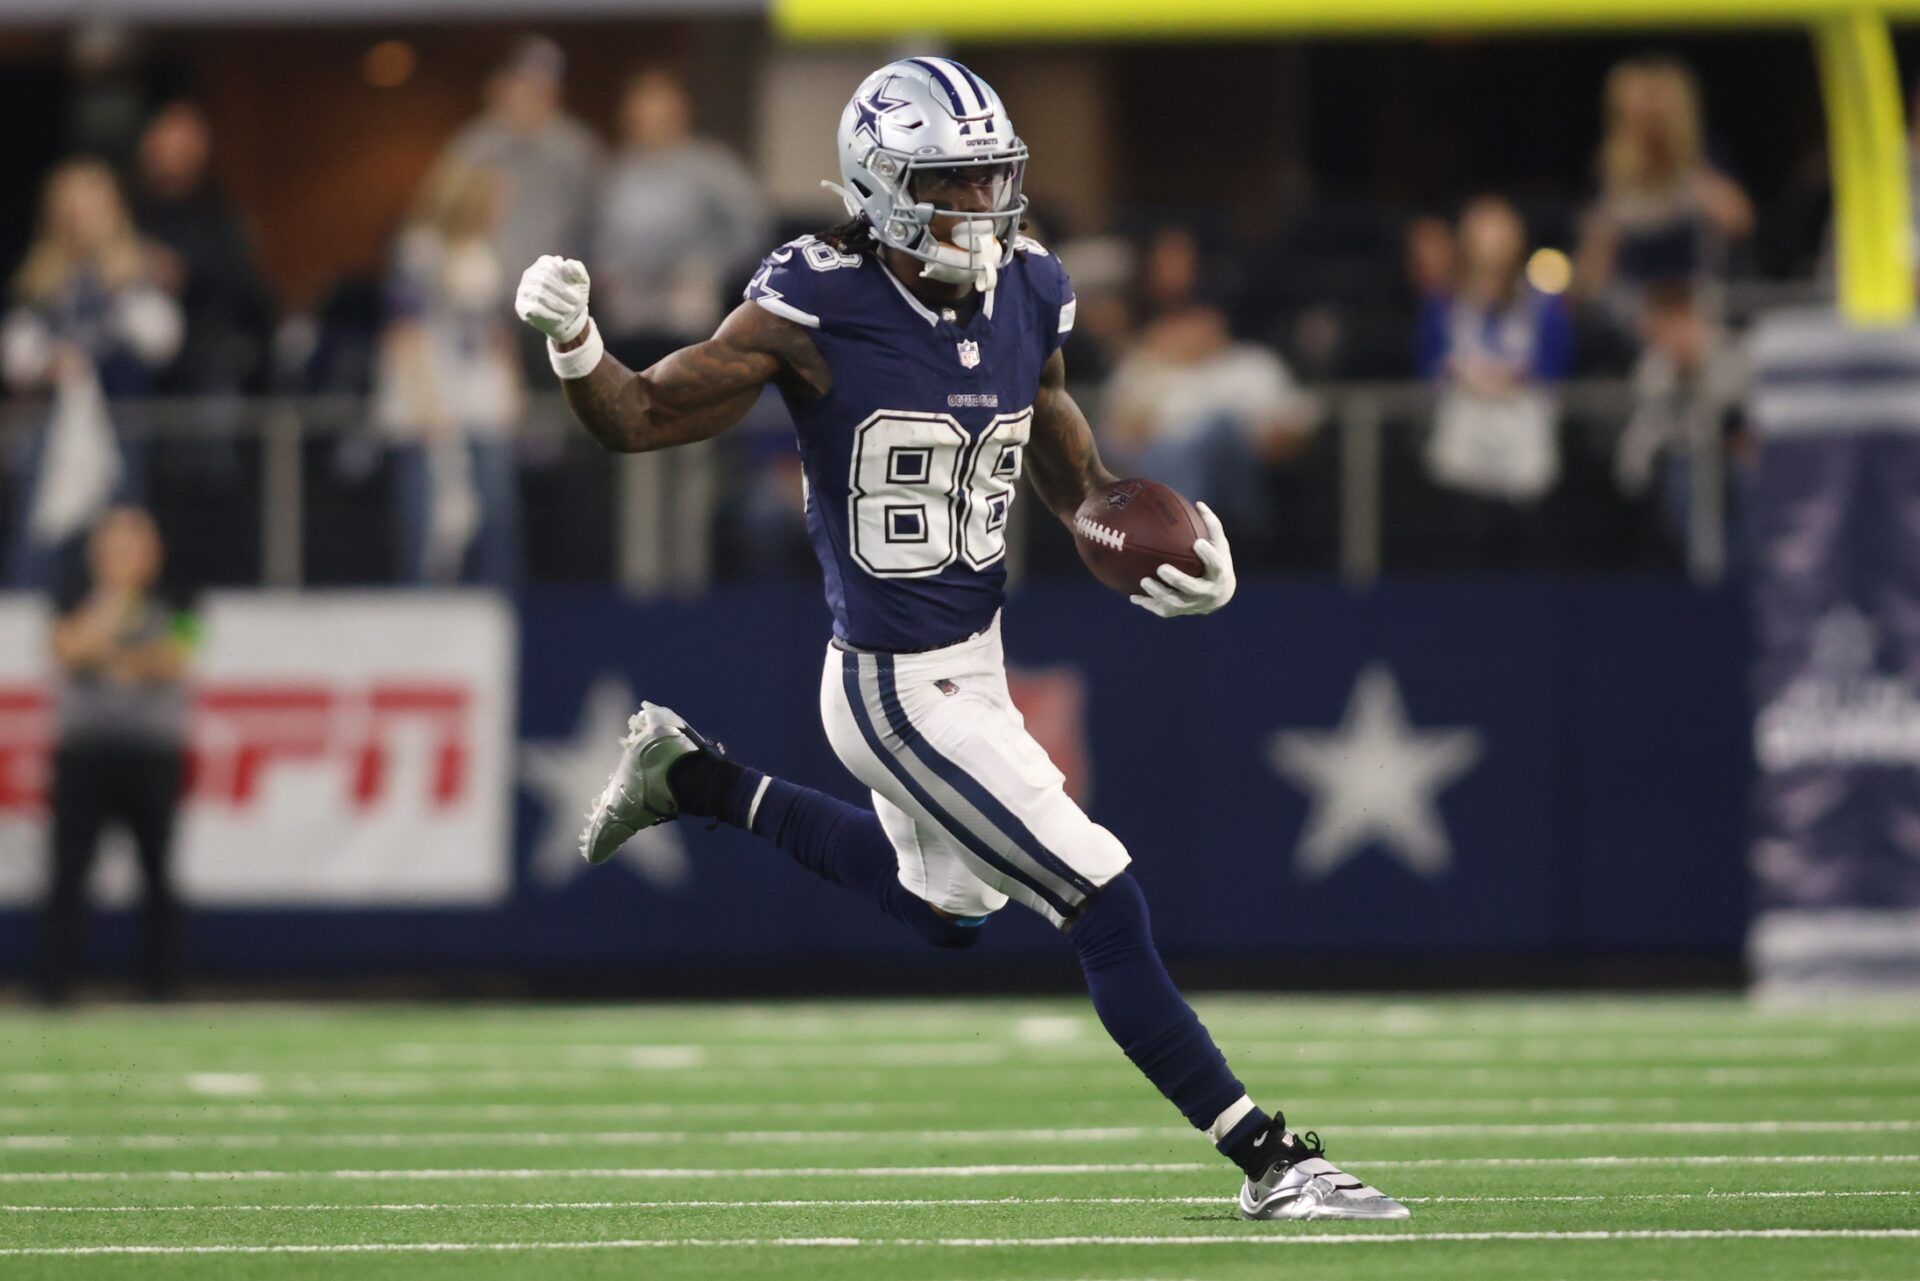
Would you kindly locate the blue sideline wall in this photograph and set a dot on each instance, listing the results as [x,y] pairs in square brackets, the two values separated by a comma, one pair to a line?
[1594,734]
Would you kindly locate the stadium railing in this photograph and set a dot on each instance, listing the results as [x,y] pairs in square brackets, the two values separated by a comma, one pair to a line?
[295,491]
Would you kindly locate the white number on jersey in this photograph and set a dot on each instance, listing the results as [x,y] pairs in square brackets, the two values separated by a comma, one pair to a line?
[993,480]
[923,493]
[822,256]
[819,255]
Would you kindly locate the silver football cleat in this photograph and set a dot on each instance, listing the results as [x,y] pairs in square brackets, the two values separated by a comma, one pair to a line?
[637,796]
[1314,1188]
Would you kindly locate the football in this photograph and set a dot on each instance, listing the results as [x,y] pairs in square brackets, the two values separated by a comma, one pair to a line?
[1127,530]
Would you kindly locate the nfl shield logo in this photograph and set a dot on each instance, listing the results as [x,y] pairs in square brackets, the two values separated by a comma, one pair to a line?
[969,353]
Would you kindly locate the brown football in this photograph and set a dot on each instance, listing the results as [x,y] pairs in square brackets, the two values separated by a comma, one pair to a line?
[1129,529]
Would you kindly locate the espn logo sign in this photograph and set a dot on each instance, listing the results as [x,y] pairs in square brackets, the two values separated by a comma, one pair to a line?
[240,733]
[344,750]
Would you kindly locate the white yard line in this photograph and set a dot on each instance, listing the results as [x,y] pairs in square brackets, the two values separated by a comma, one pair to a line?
[991,1243]
[691,1056]
[920,1137]
[910,1171]
[310,1109]
[1523,1130]
[580,1138]
[436,1206]
[354,1207]
[1406,1015]
[631,1172]
[415,1081]
[1042,1038]
[1339,1105]
[1523,1047]
[1797,1158]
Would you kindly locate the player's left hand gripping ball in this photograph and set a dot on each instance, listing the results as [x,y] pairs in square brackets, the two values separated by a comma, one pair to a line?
[1174,593]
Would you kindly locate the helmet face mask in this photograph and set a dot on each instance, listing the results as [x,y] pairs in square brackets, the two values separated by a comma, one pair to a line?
[982,189]
[926,145]
[943,195]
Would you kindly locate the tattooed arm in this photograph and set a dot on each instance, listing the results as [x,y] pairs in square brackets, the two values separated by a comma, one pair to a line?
[1063,463]
[698,391]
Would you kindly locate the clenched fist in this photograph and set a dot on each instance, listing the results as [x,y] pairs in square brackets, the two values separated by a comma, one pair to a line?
[553,297]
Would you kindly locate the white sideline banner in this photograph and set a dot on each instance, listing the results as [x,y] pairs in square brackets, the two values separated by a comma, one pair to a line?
[349,749]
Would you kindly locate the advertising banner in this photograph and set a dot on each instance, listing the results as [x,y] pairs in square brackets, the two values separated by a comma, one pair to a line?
[1837,672]
[347,750]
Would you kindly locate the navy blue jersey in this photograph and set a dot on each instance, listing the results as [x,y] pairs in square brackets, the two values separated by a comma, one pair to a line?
[913,459]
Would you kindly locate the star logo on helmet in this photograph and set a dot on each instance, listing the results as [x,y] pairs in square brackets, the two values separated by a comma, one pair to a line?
[868,110]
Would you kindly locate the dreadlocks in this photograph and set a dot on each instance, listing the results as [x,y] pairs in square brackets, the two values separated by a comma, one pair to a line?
[855,235]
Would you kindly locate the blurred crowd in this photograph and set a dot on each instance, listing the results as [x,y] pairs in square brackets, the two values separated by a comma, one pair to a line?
[1213,365]
[1214,354]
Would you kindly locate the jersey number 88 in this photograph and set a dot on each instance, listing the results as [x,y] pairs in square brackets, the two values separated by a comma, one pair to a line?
[924,493]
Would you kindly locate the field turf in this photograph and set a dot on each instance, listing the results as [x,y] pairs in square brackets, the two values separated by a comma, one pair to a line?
[1628,1139]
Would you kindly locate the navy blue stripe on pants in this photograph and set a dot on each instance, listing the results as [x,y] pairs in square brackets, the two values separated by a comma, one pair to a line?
[1003,819]
[850,678]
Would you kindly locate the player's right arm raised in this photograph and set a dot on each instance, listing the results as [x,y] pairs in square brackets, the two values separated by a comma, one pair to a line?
[695,393]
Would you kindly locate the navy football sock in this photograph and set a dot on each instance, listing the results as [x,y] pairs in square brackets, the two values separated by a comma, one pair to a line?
[835,841]
[1247,1143]
[1146,1015]
[703,784]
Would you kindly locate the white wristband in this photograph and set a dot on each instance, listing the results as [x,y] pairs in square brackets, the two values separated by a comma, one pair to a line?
[581,360]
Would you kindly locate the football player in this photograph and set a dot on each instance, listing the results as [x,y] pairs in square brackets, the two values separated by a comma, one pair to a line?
[917,347]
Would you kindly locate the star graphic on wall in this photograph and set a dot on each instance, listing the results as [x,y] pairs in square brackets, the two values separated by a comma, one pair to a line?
[567,774]
[1374,781]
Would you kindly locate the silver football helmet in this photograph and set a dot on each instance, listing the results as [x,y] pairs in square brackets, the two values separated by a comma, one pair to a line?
[917,131]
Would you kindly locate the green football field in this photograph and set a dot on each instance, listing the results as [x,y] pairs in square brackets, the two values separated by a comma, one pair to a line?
[1630,1139]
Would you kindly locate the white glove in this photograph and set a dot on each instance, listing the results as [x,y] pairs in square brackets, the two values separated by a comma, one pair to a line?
[1174,594]
[553,297]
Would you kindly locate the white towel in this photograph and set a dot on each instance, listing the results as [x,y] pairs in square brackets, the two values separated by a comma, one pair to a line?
[453,508]
[80,463]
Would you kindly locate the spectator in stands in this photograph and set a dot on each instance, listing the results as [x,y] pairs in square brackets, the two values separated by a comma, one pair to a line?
[1494,347]
[1432,258]
[680,223]
[120,719]
[1687,430]
[548,164]
[89,326]
[1196,410]
[203,257]
[448,388]
[1665,213]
